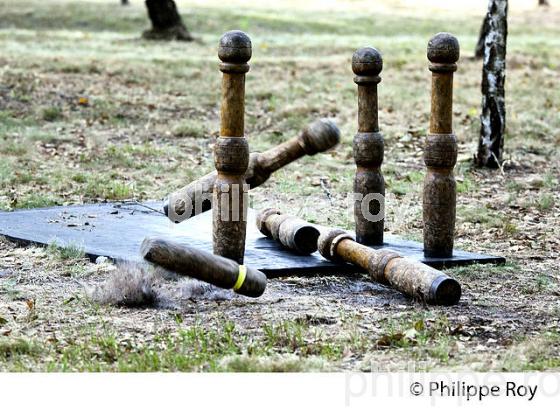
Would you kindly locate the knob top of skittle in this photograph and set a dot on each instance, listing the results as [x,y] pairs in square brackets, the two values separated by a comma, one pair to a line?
[235,47]
[443,48]
[367,61]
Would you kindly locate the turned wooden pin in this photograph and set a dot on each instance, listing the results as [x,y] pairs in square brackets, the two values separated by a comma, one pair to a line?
[369,185]
[196,197]
[198,264]
[384,266]
[292,232]
[440,152]
[231,151]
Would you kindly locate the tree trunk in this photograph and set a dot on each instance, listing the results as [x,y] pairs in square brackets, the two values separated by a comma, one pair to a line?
[166,22]
[544,3]
[124,2]
[479,49]
[493,117]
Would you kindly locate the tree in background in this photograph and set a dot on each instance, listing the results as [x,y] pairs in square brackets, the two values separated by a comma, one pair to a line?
[479,49]
[166,22]
[493,116]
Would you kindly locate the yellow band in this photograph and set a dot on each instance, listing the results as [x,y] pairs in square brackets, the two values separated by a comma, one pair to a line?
[240,277]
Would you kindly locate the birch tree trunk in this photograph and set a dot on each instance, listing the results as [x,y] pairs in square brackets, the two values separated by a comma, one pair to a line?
[493,116]
[479,49]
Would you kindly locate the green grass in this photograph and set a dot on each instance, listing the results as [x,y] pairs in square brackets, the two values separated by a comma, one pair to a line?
[545,201]
[64,252]
[488,218]
[478,272]
[36,200]
[190,129]
[291,345]
[16,349]
[533,355]
[51,114]
[102,187]
[149,123]
[199,347]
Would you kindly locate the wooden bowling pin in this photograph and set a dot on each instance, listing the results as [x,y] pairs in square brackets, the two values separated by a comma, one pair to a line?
[369,185]
[231,151]
[440,152]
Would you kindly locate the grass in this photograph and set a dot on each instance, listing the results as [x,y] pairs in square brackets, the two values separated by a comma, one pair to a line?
[190,129]
[51,114]
[217,346]
[91,113]
[65,252]
[291,345]
[36,200]
[533,355]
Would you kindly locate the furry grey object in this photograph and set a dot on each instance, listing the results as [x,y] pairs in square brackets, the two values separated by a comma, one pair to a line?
[139,285]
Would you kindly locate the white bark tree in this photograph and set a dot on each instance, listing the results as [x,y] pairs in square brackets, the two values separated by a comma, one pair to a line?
[493,116]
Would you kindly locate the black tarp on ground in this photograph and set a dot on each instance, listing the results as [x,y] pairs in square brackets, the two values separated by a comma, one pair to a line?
[116,230]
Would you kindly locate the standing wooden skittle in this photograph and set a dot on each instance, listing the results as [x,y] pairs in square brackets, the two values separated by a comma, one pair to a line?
[440,152]
[369,185]
[231,152]
[385,266]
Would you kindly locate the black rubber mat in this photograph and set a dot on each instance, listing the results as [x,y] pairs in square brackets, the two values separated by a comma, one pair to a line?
[117,230]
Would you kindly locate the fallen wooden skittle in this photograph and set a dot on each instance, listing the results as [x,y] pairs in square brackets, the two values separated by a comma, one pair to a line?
[198,264]
[410,277]
[196,197]
[293,233]
[384,266]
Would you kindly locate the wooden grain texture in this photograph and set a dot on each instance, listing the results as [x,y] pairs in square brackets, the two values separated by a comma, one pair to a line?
[319,136]
[385,266]
[368,148]
[292,232]
[195,263]
[440,151]
[231,151]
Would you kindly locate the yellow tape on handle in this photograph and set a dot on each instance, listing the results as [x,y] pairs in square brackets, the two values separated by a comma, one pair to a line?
[240,277]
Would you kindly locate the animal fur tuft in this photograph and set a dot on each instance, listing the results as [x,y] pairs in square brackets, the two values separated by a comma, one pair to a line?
[195,289]
[131,285]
